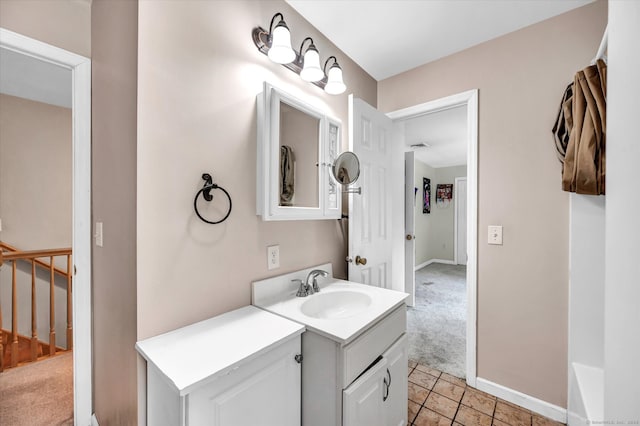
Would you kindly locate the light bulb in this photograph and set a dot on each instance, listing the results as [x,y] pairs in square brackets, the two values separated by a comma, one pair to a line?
[281,51]
[311,71]
[335,85]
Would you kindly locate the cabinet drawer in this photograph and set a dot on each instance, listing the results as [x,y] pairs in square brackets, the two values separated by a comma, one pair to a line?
[360,353]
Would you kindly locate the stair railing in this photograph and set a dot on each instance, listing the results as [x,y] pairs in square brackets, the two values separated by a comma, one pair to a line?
[11,254]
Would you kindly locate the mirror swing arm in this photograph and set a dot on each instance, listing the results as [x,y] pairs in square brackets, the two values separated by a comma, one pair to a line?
[346,171]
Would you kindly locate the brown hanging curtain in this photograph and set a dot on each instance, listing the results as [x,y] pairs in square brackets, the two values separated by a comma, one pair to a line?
[580,130]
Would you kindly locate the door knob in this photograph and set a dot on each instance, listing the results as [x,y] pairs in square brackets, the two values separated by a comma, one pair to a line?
[361,260]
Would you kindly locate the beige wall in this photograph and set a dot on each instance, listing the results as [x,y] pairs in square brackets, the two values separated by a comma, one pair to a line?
[114,82]
[522,294]
[199,76]
[62,23]
[442,218]
[35,174]
[434,231]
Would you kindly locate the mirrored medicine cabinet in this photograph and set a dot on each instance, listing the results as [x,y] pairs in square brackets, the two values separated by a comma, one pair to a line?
[297,146]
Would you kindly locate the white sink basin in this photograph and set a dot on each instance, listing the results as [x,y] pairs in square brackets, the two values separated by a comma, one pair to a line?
[335,304]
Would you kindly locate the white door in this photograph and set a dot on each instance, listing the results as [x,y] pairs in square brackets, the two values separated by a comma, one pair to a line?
[370,242]
[395,403]
[461,220]
[362,403]
[409,227]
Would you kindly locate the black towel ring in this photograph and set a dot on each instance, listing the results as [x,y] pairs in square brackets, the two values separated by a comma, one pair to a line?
[206,194]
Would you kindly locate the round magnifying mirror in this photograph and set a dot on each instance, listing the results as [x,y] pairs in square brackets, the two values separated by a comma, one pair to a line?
[346,168]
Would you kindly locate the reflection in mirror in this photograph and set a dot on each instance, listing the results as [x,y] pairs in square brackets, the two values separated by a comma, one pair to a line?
[299,138]
[346,168]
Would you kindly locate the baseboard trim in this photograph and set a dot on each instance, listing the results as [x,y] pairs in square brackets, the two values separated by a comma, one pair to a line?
[422,265]
[429,262]
[536,405]
[94,420]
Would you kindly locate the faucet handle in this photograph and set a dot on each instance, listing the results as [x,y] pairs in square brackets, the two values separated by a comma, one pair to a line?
[302,289]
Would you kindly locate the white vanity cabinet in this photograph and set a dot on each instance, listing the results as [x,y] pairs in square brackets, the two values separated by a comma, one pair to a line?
[240,368]
[379,396]
[354,370]
[358,383]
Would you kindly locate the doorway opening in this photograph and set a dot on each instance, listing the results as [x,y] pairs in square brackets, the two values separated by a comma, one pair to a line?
[76,332]
[441,231]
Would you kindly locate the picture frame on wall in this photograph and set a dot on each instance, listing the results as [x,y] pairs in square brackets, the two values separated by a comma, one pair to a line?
[426,195]
[444,194]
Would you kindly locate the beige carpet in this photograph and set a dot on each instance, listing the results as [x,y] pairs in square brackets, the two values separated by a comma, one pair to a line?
[38,394]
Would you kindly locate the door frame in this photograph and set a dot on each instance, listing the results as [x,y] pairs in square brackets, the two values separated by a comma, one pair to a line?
[409,207]
[470,100]
[455,218]
[80,68]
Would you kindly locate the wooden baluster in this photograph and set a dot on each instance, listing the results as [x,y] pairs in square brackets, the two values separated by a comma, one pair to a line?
[14,316]
[1,332]
[52,311]
[69,306]
[34,311]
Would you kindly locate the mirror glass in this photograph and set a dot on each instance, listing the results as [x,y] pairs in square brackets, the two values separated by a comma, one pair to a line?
[299,139]
[346,168]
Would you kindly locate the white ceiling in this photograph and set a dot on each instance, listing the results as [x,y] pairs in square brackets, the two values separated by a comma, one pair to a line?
[30,78]
[446,134]
[387,37]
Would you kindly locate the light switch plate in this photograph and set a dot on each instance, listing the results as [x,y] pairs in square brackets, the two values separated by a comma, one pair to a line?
[273,257]
[98,235]
[495,234]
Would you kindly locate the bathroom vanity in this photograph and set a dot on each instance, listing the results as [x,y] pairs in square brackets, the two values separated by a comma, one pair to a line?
[239,368]
[354,368]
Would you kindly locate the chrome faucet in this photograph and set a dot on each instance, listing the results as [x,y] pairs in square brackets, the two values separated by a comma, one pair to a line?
[312,283]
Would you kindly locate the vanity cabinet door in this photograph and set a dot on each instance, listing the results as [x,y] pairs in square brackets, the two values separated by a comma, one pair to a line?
[362,403]
[395,405]
[264,392]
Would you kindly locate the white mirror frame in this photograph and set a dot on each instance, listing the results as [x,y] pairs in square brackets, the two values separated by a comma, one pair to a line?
[268,160]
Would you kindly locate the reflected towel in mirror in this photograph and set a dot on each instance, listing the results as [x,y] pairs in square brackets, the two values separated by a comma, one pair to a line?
[287,183]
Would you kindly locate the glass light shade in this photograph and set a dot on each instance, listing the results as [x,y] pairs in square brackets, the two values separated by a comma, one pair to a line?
[311,71]
[335,85]
[281,51]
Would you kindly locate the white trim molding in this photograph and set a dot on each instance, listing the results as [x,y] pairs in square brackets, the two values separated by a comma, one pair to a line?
[470,100]
[429,262]
[536,405]
[81,124]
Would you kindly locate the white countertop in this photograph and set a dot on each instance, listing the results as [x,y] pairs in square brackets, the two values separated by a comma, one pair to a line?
[199,352]
[277,295]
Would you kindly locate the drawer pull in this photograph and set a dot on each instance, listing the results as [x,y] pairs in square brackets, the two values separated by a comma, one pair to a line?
[298,358]
[387,385]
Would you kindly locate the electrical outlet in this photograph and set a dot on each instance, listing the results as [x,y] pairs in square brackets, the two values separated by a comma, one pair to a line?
[495,235]
[273,257]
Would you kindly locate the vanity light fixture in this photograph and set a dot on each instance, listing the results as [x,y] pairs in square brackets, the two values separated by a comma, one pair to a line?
[276,44]
[335,85]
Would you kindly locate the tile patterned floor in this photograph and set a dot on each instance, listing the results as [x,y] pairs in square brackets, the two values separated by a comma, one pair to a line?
[439,399]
